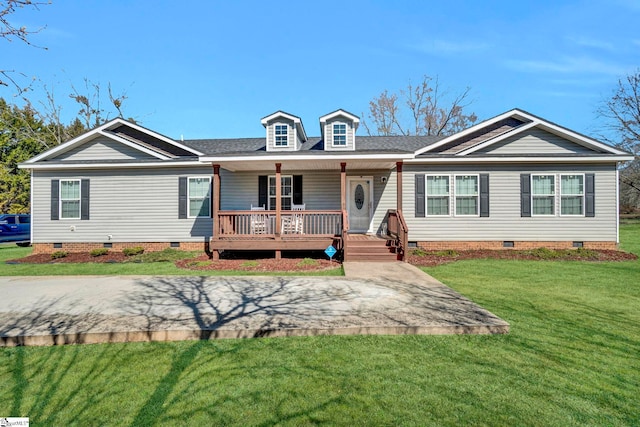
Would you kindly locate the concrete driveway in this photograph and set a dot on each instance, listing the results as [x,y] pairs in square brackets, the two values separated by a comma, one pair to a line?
[372,298]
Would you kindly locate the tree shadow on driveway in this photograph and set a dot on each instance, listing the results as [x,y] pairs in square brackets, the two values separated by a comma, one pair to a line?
[211,304]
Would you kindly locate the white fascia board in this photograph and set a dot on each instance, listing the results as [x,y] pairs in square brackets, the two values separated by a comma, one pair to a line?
[297,121]
[158,136]
[514,112]
[521,159]
[337,113]
[72,143]
[134,145]
[58,166]
[277,114]
[211,159]
[580,139]
[100,130]
[498,138]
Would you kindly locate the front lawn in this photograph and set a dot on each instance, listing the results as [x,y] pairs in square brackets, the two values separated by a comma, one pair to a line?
[571,359]
[159,263]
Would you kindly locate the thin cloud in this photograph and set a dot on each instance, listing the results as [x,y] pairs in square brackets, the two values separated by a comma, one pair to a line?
[445,47]
[593,43]
[564,94]
[568,65]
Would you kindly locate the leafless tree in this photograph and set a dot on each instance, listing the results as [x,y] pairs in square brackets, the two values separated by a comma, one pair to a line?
[11,32]
[430,111]
[621,114]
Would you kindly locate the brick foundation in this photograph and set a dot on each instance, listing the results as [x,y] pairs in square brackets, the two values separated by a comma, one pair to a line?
[47,248]
[517,245]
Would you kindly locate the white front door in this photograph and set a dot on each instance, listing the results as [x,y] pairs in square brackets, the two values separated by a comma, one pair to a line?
[359,203]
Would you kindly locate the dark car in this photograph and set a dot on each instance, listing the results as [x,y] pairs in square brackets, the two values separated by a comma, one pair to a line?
[15,228]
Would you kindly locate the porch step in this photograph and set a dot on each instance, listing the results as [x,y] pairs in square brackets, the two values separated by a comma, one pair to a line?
[369,249]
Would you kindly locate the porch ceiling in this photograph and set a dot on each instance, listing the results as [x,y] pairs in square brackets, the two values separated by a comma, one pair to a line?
[305,164]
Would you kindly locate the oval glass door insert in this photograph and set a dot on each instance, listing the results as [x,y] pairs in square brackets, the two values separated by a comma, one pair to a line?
[359,196]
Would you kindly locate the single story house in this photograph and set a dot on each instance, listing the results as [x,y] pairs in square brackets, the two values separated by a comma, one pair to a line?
[513,181]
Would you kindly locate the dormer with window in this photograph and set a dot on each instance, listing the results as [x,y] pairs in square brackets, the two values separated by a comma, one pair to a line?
[284,132]
[339,130]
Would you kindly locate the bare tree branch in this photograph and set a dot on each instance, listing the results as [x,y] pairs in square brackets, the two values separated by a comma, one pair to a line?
[431,111]
[10,32]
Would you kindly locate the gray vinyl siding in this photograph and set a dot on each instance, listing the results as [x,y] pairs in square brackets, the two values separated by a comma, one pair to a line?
[271,135]
[328,133]
[320,190]
[132,205]
[103,148]
[505,222]
[535,141]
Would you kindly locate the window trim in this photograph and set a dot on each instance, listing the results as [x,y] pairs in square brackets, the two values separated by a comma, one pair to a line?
[426,195]
[61,200]
[554,195]
[333,134]
[189,178]
[275,134]
[455,195]
[583,195]
[268,207]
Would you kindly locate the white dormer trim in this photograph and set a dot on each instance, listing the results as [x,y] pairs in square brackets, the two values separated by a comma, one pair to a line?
[333,134]
[339,113]
[295,119]
[525,117]
[275,136]
[101,131]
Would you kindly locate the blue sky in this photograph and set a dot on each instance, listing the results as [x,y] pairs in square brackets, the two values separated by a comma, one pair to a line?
[214,68]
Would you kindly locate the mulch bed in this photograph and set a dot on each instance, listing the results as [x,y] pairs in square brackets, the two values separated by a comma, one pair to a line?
[199,263]
[267,264]
[72,257]
[431,259]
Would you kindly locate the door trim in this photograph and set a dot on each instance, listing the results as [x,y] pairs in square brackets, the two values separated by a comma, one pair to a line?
[348,196]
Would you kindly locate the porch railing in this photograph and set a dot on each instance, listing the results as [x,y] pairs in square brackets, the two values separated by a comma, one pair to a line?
[398,230]
[256,224]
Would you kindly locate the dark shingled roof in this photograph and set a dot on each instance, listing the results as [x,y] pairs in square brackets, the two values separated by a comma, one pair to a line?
[364,144]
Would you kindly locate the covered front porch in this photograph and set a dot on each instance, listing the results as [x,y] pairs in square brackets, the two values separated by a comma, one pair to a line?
[278,220]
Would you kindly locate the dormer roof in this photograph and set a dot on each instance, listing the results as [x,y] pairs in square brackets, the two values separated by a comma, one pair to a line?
[281,114]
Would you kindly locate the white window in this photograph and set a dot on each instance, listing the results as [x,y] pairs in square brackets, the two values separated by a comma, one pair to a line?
[571,194]
[438,193]
[543,194]
[339,134]
[286,192]
[70,198]
[282,135]
[199,197]
[466,195]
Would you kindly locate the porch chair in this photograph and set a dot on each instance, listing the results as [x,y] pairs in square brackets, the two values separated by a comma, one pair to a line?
[259,221]
[294,223]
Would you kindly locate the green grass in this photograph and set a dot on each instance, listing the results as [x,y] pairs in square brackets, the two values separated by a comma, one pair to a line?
[571,359]
[151,263]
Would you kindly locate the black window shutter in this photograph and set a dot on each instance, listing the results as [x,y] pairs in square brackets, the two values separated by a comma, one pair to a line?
[263,190]
[419,196]
[182,197]
[590,195]
[484,194]
[525,194]
[84,199]
[297,189]
[55,199]
[211,201]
